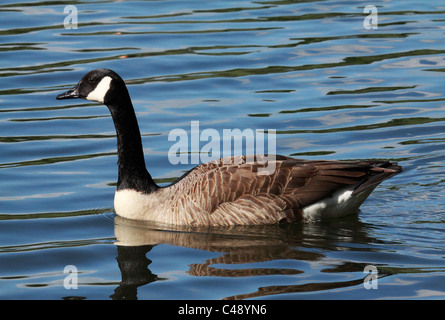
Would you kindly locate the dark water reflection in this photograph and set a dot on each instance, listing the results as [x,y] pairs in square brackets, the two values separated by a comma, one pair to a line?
[240,246]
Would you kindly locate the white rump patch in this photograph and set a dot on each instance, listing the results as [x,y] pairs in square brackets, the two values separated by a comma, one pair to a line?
[101,90]
[341,203]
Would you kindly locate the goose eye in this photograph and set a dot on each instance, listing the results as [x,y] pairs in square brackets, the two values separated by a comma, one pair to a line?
[91,79]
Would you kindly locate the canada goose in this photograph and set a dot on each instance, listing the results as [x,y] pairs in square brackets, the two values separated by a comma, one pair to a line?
[216,193]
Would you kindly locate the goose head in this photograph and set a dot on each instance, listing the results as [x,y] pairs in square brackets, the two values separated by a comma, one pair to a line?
[99,85]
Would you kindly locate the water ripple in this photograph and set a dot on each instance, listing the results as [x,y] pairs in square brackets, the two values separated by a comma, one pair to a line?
[309,69]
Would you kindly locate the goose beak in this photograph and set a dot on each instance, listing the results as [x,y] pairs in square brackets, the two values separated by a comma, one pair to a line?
[72,93]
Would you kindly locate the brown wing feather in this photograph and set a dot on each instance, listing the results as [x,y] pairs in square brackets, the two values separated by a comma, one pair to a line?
[233,190]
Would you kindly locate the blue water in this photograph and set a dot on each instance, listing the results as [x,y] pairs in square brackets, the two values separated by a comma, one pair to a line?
[331,88]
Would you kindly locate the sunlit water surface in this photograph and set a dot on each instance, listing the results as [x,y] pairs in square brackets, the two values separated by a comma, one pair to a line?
[331,88]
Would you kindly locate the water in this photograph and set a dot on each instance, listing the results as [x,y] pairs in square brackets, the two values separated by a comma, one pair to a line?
[331,88]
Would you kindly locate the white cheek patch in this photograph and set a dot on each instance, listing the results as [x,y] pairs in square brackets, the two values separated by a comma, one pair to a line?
[101,90]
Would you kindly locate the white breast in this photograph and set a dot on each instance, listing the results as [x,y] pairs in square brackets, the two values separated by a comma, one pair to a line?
[166,205]
[132,204]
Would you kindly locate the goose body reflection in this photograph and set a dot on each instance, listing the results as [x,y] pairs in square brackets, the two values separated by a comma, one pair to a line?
[227,191]
[245,252]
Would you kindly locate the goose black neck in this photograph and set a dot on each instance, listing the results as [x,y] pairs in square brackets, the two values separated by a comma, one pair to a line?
[132,171]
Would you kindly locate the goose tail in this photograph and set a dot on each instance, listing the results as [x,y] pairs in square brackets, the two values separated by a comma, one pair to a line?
[379,172]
